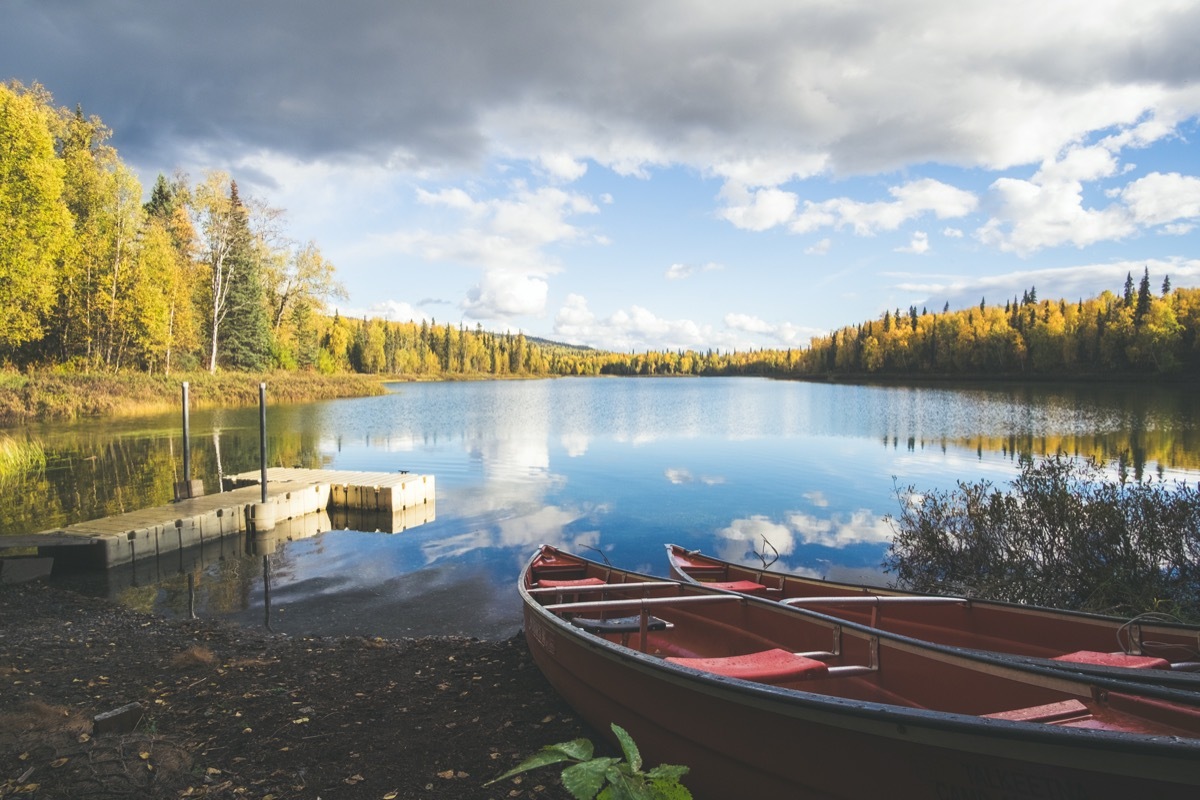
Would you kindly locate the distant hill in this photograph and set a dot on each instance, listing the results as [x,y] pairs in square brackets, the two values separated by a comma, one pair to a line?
[551,345]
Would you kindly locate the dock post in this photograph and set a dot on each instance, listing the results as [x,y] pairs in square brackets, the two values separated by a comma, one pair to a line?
[262,435]
[187,438]
[264,513]
[185,489]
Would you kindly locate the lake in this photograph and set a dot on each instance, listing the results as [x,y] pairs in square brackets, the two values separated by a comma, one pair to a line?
[619,466]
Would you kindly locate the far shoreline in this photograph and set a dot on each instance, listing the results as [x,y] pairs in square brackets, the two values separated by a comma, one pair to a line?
[50,396]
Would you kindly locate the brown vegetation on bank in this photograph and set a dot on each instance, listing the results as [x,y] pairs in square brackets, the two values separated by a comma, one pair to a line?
[50,396]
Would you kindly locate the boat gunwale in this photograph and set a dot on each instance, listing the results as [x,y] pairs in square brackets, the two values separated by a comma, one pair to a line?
[886,591]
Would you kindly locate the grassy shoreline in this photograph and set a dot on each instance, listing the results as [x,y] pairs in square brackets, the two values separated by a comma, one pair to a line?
[45,397]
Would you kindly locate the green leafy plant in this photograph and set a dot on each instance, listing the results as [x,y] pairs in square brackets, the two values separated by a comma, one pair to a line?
[592,777]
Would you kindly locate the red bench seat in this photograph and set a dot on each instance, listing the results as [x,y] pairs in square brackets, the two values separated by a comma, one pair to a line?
[768,666]
[1114,660]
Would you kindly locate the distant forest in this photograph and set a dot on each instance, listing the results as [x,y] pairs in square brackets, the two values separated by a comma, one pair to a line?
[93,279]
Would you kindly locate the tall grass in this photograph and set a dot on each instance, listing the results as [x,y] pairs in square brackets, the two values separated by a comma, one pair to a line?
[20,457]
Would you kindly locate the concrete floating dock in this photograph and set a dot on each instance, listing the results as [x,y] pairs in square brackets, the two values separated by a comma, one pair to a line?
[390,501]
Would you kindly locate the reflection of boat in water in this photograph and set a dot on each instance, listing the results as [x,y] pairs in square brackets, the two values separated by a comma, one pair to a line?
[760,700]
[1144,649]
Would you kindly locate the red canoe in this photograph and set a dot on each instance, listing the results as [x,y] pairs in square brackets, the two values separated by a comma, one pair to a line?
[1144,649]
[761,700]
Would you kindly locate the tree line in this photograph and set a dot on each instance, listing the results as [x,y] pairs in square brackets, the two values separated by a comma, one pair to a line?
[198,277]
[1142,331]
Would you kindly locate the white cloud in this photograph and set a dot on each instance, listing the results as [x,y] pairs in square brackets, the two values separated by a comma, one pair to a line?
[912,200]
[918,245]
[757,210]
[638,329]
[633,330]
[506,295]
[745,536]
[820,248]
[1048,209]
[679,476]
[860,527]
[396,310]
[952,233]
[784,334]
[576,444]
[679,271]
[817,498]
[1159,199]
[562,166]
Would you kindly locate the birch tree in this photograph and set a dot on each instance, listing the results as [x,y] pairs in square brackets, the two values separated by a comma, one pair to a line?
[221,220]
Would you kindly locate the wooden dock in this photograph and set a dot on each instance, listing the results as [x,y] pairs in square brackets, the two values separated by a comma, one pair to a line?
[393,501]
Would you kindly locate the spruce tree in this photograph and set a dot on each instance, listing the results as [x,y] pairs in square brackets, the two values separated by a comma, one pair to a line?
[244,340]
[1143,298]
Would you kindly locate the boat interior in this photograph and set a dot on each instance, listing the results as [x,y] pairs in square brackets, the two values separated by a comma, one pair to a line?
[963,622]
[726,634]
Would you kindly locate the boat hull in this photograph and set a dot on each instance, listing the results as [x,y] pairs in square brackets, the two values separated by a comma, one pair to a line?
[762,743]
[834,735]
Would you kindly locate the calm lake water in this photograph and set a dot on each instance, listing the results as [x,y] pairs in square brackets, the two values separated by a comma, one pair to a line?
[620,465]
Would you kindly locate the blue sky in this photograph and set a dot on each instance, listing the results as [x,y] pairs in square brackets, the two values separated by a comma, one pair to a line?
[676,174]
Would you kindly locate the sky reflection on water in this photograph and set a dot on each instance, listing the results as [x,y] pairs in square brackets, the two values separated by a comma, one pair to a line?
[625,466]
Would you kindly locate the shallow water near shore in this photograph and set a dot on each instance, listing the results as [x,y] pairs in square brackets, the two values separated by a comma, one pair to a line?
[620,466]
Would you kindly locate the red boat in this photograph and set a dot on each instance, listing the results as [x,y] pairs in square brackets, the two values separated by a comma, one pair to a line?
[1143,649]
[760,700]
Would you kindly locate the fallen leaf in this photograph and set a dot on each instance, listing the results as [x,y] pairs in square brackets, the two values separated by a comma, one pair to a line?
[353,779]
[143,755]
[391,796]
[300,721]
[58,762]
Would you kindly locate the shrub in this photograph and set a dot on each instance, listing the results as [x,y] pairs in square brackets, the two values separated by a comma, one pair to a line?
[1065,535]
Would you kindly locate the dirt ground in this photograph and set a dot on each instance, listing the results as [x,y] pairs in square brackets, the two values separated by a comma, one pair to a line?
[236,713]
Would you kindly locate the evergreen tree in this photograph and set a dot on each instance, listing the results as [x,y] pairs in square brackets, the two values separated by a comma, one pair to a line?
[244,340]
[1143,299]
[1166,286]
[1128,295]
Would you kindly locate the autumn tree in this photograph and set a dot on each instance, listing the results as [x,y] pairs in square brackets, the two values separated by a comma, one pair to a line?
[34,223]
[169,240]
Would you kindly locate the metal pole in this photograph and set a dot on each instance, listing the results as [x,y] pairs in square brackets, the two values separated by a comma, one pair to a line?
[262,435]
[187,447]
